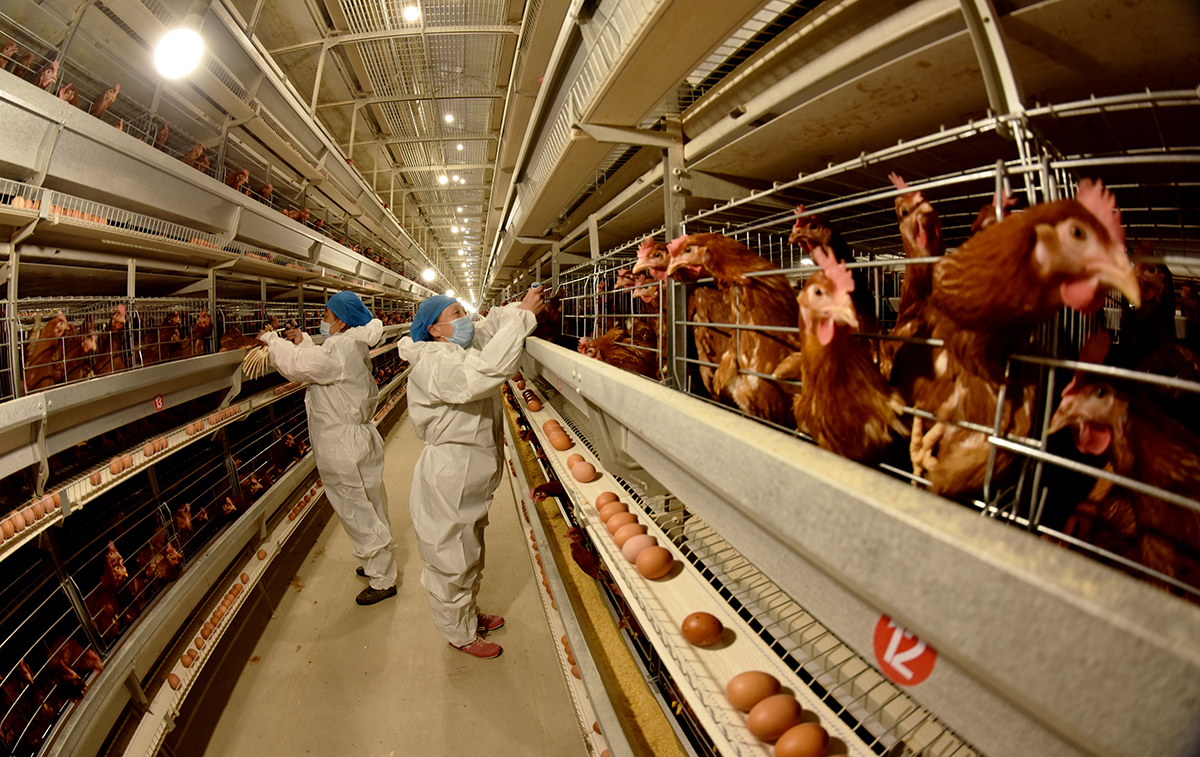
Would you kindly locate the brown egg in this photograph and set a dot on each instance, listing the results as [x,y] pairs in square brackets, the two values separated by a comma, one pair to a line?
[584,472]
[9,530]
[573,459]
[262,554]
[804,740]
[655,562]
[619,519]
[191,429]
[96,478]
[702,629]
[115,466]
[57,500]
[611,509]
[564,641]
[627,532]
[520,384]
[747,689]
[186,661]
[604,498]
[173,680]
[127,461]
[292,514]
[635,544]
[773,716]
[39,512]
[560,442]
[575,671]
[596,728]
[245,578]
[534,405]
[18,520]
[553,605]
[199,643]
[550,425]
[148,450]
[29,517]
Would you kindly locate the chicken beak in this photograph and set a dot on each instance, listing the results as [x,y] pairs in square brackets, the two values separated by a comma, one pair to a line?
[641,265]
[1118,274]
[685,258]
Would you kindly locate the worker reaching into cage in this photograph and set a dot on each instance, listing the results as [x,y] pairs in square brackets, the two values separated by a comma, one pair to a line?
[455,408]
[341,400]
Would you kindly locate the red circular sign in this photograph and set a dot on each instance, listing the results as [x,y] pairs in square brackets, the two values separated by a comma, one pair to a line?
[901,656]
[159,404]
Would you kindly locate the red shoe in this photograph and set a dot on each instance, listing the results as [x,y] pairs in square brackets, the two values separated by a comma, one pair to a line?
[489,622]
[484,650]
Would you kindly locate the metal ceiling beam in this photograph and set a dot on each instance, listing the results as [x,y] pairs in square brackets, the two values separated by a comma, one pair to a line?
[419,140]
[448,168]
[365,101]
[334,40]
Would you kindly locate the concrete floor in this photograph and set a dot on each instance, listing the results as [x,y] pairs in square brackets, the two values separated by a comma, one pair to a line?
[327,677]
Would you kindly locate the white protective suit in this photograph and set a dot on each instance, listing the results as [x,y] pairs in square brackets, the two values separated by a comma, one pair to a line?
[455,407]
[341,401]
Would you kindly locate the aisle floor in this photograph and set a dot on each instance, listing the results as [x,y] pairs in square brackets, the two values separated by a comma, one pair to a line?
[327,677]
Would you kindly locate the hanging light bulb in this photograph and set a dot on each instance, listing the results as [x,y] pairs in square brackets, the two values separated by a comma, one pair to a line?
[460,146]
[427,274]
[449,118]
[411,13]
[458,209]
[443,179]
[455,177]
[453,229]
[180,51]
[449,292]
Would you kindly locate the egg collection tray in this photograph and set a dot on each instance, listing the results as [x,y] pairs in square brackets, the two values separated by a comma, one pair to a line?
[660,607]
[580,698]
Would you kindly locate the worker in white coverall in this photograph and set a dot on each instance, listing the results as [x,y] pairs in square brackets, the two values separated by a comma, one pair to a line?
[341,400]
[455,407]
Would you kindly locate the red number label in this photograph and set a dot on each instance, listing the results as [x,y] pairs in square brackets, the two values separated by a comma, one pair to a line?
[901,656]
[159,404]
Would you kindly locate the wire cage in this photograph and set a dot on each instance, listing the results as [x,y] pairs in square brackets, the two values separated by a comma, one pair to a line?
[169,328]
[1029,477]
[64,340]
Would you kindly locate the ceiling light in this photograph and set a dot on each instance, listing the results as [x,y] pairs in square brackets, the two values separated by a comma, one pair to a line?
[460,147]
[411,13]
[449,292]
[442,180]
[464,265]
[453,229]
[458,209]
[179,51]
[427,274]
[449,118]
[455,177]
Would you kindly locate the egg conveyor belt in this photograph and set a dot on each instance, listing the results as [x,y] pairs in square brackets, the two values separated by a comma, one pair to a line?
[165,704]
[660,606]
[581,701]
[78,492]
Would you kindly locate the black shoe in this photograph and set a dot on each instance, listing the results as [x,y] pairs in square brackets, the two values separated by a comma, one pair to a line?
[369,596]
[360,572]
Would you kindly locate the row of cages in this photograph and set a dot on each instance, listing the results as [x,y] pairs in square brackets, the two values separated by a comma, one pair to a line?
[1080,425]
[182,135]
[78,590]
[56,341]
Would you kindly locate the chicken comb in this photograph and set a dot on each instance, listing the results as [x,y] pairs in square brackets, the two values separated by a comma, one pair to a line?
[837,272]
[645,248]
[675,246]
[898,180]
[1101,202]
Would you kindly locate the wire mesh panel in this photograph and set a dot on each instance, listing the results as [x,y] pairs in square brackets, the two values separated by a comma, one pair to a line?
[165,329]
[64,340]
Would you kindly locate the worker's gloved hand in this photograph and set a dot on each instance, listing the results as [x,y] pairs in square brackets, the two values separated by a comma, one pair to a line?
[533,300]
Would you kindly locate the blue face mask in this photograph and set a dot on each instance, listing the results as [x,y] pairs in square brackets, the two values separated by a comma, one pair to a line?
[464,332]
[325,328]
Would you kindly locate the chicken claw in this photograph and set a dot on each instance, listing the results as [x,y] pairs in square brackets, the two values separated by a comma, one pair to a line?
[920,446]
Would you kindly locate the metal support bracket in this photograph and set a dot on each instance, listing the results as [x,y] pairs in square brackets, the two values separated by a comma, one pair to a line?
[625,135]
[137,695]
[1004,93]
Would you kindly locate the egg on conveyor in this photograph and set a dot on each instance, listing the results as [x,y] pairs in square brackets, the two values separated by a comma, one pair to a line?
[550,425]
[612,508]
[604,498]
[584,472]
[747,689]
[627,532]
[654,562]
[617,520]
[634,546]
[804,740]
[702,629]
[773,716]
[573,459]
[560,442]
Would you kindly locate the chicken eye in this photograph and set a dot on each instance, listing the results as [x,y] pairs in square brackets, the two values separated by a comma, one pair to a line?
[1077,231]
[1101,393]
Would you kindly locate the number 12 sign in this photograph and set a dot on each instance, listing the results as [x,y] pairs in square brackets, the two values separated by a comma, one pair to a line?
[901,656]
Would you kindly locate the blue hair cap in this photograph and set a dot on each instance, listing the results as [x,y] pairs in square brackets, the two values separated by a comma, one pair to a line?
[427,314]
[349,308]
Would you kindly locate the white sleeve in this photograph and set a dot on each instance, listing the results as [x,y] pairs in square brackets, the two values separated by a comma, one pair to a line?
[305,361]
[486,329]
[457,378]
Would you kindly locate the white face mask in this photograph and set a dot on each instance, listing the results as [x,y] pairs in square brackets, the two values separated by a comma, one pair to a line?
[325,328]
